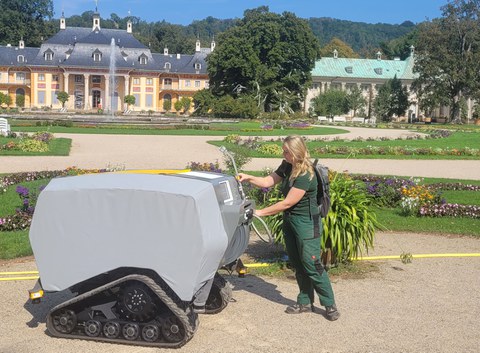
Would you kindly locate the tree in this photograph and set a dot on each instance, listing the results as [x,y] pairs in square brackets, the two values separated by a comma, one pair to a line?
[391,100]
[129,100]
[264,55]
[186,102]
[63,97]
[203,101]
[355,100]
[167,104]
[25,19]
[20,100]
[342,48]
[177,106]
[332,102]
[448,55]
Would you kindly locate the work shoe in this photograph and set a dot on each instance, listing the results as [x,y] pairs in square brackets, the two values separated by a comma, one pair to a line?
[332,312]
[299,308]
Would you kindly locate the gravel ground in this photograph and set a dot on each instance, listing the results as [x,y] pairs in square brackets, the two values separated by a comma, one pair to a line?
[175,152]
[429,305]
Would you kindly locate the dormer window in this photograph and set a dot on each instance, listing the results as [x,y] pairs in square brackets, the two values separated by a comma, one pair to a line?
[20,59]
[349,69]
[198,66]
[378,70]
[143,59]
[48,55]
[168,66]
[97,55]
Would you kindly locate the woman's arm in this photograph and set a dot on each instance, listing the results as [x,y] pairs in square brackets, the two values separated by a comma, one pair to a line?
[261,182]
[293,197]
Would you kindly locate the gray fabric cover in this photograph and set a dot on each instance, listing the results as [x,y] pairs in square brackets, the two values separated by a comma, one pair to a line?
[87,225]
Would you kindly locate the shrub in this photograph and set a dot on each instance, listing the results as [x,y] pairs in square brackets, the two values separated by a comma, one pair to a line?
[205,167]
[270,149]
[451,210]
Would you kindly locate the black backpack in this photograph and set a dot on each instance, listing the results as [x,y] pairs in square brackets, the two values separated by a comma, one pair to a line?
[323,188]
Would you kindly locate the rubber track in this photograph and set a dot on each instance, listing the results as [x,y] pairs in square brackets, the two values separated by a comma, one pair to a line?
[188,318]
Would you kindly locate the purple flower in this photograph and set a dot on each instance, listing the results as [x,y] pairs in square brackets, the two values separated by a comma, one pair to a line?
[22,191]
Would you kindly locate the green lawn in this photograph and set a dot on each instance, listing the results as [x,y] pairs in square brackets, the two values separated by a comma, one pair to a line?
[457,140]
[247,128]
[393,221]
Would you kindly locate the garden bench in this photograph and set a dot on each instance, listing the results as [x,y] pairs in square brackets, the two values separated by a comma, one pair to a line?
[4,127]
[339,119]
[358,120]
[323,118]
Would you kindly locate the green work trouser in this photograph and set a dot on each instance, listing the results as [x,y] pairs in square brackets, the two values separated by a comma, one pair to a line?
[302,239]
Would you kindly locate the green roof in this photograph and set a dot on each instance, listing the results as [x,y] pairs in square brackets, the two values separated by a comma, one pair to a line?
[364,68]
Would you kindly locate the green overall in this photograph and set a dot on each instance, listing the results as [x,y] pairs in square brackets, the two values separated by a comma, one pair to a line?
[302,232]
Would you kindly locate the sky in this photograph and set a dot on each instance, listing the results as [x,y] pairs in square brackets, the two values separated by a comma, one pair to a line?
[186,11]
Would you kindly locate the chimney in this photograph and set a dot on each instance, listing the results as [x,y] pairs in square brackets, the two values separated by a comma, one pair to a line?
[165,51]
[379,55]
[129,26]
[21,44]
[178,56]
[335,54]
[412,50]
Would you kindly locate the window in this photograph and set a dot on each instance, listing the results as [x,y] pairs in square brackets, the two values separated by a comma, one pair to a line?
[149,81]
[136,81]
[41,77]
[149,100]
[0,77]
[78,78]
[41,97]
[143,59]
[20,76]
[349,69]
[378,71]
[168,66]
[207,84]
[137,100]
[54,97]
[48,56]
[55,78]
[197,83]
[20,58]
[167,82]
[96,79]
[187,83]
[97,57]
[198,66]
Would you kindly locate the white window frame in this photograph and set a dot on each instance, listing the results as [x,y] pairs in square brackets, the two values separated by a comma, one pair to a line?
[20,59]
[41,77]
[136,81]
[149,82]
[97,57]
[197,83]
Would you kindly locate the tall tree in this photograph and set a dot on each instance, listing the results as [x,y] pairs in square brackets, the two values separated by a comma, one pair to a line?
[332,102]
[266,55]
[448,56]
[342,48]
[25,19]
[392,100]
[356,100]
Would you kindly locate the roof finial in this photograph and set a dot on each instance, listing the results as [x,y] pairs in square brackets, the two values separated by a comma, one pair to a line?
[96,5]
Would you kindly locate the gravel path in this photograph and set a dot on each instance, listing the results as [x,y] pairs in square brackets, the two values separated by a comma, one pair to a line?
[430,305]
[175,152]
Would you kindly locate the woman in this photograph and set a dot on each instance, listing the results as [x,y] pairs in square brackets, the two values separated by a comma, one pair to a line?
[301,225]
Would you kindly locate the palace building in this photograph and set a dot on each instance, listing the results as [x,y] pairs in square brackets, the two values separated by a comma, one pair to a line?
[98,67]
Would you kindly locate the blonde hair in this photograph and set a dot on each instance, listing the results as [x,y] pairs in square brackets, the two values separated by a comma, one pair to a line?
[297,148]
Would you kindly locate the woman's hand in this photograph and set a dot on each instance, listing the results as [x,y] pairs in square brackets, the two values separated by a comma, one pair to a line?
[243,177]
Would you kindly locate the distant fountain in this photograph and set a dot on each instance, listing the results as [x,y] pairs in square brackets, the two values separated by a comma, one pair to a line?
[112,80]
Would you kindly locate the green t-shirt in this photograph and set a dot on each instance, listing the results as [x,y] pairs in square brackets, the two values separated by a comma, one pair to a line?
[307,204]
